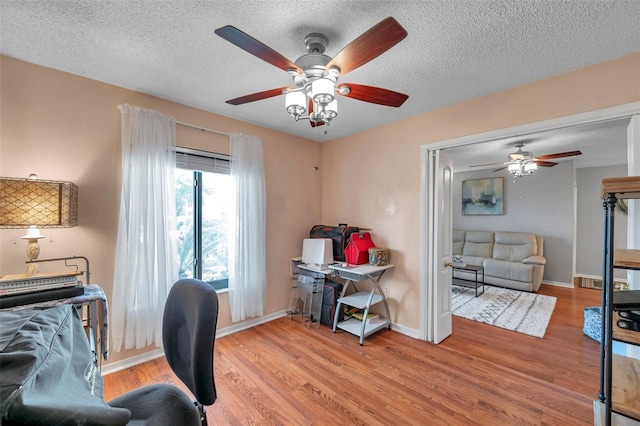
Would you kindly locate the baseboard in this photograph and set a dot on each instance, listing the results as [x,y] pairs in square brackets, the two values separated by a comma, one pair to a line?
[157,353]
[409,332]
[558,284]
[131,361]
[249,323]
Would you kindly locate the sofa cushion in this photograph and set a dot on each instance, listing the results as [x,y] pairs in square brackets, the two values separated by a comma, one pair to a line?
[458,242]
[508,270]
[478,244]
[514,246]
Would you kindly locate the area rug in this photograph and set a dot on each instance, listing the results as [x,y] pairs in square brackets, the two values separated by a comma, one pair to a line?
[527,313]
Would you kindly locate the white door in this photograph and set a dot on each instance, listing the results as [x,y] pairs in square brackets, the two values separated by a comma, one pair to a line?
[440,246]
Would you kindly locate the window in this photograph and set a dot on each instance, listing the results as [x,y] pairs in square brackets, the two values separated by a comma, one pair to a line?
[202,203]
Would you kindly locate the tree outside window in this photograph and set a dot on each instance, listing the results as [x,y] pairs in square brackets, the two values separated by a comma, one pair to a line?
[202,219]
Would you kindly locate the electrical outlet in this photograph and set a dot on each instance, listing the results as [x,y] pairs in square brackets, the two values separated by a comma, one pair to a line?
[385,289]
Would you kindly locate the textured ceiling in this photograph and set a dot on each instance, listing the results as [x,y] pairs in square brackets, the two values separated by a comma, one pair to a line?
[602,144]
[454,51]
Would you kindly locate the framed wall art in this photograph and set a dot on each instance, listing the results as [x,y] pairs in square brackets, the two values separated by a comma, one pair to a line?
[483,196]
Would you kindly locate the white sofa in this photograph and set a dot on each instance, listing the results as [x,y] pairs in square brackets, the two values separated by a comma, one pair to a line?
[510,259]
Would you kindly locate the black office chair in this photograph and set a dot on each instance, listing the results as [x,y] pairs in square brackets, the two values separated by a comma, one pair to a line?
[188,332]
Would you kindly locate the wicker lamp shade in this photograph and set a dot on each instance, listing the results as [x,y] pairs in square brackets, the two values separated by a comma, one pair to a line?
[43,203]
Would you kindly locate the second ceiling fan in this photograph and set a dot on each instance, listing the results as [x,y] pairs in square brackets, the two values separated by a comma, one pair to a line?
[315,75]
[523,162]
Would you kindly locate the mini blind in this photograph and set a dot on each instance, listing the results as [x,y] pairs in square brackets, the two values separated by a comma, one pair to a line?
[204,161]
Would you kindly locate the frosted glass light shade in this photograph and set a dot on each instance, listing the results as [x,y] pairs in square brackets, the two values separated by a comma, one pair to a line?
[331,111]
[514,168]
[323,91]
[295,103]
[530,167]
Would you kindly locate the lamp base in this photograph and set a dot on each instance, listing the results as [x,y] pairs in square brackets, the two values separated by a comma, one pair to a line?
[33,251]
[33,269]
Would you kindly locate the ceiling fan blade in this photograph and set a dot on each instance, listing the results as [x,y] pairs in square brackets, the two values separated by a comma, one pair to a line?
[545,163]
[374,95]
[483,165]
[371,44]
[249,44]
[258,96]
[501,168]
[559,155]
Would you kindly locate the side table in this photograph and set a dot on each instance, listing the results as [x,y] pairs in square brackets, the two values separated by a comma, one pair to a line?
[468,283]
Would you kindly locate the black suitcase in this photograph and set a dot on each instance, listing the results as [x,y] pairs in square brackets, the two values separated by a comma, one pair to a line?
[340,235]
[330,296]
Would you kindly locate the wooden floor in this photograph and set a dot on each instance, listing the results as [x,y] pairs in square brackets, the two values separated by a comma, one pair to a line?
[282,373]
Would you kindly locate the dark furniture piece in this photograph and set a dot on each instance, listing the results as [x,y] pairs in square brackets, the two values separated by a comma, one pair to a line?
[468,283]
[188,333]
[48,373]
[619,392]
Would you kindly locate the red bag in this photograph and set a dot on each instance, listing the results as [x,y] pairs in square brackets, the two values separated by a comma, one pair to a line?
[341,235]
[357,251]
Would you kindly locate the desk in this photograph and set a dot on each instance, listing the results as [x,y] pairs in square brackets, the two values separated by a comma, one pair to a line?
[361,300]
[97,317]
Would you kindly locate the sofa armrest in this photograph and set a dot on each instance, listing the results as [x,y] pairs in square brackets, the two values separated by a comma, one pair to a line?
[535,260]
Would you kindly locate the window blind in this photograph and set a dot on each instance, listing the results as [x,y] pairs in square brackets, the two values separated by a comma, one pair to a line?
[204,161]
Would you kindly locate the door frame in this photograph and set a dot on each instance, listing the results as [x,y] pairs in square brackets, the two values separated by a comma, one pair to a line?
[426,285]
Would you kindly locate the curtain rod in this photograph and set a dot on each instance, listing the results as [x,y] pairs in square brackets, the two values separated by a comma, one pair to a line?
[204,129]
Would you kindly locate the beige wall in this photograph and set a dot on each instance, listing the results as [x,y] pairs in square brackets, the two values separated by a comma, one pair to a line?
[383,191]
[64,127]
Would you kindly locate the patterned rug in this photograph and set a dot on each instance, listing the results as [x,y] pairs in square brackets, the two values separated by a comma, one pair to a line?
[527,313]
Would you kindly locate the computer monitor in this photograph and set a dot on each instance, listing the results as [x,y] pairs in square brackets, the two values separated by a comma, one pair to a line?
[317,253]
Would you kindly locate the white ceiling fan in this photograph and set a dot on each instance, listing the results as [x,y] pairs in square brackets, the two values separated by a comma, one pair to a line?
[522,163]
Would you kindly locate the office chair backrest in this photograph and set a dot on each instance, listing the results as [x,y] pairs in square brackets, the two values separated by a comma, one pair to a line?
[189,333]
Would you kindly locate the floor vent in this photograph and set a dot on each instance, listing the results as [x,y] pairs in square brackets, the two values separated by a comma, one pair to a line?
[596,283]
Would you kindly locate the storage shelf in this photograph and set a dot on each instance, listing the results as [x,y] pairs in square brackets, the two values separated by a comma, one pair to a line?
[626,258]
[622,335]
[359,300]
[354,326]
[620,375]
[625,394]
[626,187]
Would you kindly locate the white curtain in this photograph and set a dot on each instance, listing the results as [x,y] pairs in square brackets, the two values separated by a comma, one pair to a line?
[145,254]
[247,257]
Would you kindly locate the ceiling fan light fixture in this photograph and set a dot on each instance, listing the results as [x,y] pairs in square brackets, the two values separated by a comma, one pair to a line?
[295,104]
[514,168]
[315,75]
[331,110]
[530,167]
[323,91]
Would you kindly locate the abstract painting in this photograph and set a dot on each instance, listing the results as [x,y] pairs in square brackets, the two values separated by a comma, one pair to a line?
[482,196]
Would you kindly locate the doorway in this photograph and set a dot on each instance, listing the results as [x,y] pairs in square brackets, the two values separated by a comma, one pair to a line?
[428,281]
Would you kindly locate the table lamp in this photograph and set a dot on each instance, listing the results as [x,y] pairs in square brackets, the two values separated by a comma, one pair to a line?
[32,203]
